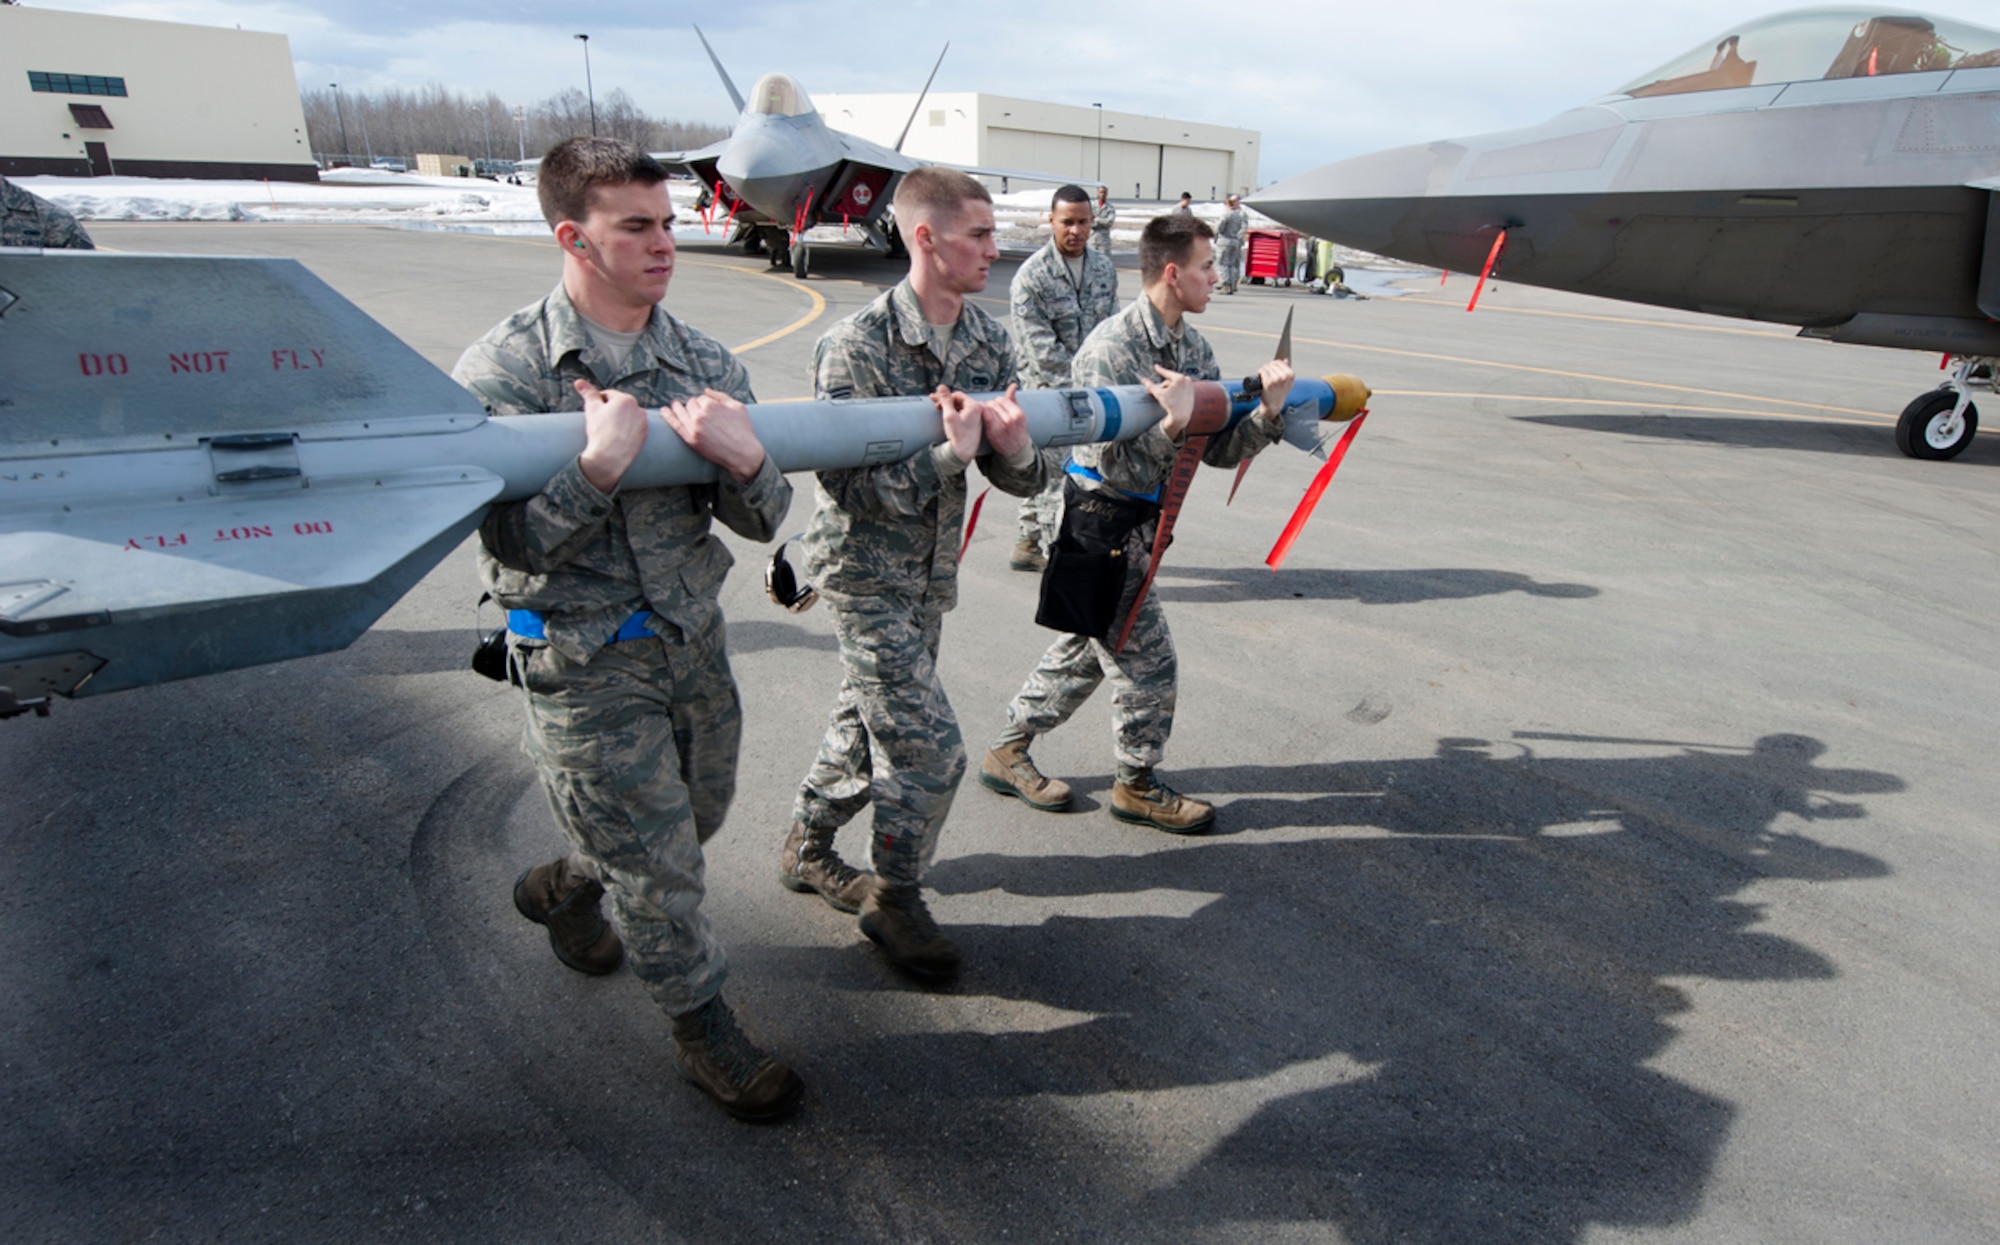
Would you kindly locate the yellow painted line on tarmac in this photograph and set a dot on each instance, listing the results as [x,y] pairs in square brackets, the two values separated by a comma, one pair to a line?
[1546,371]
[817,310]
[1580,315]
[1879,421]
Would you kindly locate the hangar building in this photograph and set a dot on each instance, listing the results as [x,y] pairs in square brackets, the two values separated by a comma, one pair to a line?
[1139,157]
[85,95]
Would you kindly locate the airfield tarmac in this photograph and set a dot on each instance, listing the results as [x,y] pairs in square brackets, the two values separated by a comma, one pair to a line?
[1607,850]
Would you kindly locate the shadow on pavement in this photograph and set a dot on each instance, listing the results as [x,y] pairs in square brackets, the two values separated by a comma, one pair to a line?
[1438,1024]
[1398,587]
[1759,434]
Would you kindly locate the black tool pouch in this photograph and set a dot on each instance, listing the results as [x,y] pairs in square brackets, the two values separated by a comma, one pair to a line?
[1091,562]
[489,656]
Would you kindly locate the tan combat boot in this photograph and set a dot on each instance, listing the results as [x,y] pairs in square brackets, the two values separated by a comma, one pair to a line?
[717,1058]
[553,896]
[1150,802]
[1026,556]
[809,865]
[896,919]
[1009,770]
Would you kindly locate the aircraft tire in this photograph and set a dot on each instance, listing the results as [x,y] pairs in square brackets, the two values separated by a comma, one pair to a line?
[801,260]
[1915,428]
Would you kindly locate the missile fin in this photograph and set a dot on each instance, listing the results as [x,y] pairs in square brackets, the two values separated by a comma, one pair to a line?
[162,588]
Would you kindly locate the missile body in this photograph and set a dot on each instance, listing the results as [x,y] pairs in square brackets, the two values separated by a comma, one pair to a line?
[180,494]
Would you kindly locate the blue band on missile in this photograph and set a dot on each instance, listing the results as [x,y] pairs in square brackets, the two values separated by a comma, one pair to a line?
[1114,415]
[530,625]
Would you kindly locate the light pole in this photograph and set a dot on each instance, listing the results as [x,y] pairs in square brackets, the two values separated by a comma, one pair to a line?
[349,152]
[521,128]
[589,90]
[1100,141]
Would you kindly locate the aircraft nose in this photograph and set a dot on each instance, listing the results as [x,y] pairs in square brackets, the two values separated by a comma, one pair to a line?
[762,168]
[1360,201]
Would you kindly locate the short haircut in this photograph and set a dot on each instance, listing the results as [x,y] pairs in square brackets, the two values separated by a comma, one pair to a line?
[1186,195]
[1167,240]
[935,194]
[576,166]
[1068,194]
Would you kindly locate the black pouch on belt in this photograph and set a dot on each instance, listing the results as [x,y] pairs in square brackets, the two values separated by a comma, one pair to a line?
[489,656]
[1088,565]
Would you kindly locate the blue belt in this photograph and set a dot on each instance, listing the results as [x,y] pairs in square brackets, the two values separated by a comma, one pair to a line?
[1078,469]
[528,624]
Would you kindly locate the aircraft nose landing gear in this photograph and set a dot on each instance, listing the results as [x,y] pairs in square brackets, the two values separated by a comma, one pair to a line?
[1941,423]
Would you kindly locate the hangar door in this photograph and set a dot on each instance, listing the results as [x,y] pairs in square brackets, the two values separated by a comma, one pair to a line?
[1064,155]
[1202,172]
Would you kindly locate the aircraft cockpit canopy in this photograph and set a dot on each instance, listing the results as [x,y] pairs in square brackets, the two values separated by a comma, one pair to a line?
[1814,44]
[779,95]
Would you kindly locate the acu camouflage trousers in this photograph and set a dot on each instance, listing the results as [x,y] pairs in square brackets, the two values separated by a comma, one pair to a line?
[892,739]
[1041,515]
[637,752]
[1229,262]
[1143,680]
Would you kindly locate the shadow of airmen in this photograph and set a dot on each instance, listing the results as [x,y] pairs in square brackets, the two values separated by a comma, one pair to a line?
[1429,1018]
[1383,587]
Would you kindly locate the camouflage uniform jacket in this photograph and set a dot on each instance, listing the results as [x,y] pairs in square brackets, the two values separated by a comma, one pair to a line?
[892,530]
[1102,217]
[29,220]
[1053,313]
[1122,351]
[1232,226]
[589,560]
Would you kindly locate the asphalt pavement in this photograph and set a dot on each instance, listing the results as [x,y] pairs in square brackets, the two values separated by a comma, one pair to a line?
[1607,849]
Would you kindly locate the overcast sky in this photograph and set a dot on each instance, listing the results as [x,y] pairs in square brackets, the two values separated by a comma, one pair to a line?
[1322,79]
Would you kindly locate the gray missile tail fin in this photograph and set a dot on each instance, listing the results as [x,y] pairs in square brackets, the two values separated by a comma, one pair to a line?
[146,589]
[147,351]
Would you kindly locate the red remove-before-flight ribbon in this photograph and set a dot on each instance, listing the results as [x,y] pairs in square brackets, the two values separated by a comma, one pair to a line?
[1492,257]
[971,522]
[1313,491]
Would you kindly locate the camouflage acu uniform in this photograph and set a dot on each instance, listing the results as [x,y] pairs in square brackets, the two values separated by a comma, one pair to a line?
[1229,232]
[883,551]
[1123,351]
[1053,313]
[636,740]
[30,220]
[1102,217]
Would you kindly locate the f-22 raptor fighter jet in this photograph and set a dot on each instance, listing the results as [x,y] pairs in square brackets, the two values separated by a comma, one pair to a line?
[784,170]
[1835,169]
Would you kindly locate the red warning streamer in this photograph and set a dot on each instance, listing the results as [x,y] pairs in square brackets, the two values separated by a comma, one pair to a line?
[972,522]
[1297,523]
[1492,257]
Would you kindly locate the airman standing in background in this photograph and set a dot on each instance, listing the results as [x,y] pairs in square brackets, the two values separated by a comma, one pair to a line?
[1059,294]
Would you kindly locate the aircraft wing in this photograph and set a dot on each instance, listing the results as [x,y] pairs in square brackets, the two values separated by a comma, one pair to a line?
[863,151]
[1023,175]
[694,162]
[1987,183]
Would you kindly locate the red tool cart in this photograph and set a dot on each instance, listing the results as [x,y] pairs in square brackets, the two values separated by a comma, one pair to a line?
[1271,253]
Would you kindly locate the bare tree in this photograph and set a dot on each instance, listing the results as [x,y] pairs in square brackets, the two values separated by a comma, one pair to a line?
[399,122]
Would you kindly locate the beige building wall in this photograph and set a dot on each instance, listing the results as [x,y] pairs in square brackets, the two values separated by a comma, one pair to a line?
[1136,156]
[200,101]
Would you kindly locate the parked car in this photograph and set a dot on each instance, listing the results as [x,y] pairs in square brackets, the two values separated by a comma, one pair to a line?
[389,164]
[495,170]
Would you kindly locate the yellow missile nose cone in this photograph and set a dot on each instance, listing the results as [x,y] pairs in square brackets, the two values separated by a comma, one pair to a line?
[1350,397]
